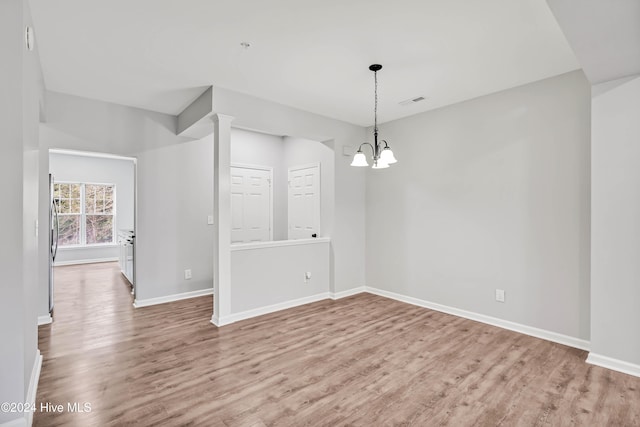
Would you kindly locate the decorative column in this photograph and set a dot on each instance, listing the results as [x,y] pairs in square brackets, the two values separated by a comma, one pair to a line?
[222,219]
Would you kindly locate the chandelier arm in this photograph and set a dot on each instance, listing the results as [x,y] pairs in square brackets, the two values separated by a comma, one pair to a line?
[366,143]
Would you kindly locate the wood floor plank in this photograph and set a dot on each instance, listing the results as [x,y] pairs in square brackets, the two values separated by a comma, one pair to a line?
[362,360]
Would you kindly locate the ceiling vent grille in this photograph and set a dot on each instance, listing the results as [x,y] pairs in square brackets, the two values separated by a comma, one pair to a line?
[412,101]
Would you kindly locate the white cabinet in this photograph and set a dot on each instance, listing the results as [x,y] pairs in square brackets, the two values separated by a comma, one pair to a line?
[126,241]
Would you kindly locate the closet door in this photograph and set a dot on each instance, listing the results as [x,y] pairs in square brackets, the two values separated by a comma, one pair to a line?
[251,206]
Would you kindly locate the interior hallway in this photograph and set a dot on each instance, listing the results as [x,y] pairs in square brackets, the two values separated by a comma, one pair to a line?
[362,360]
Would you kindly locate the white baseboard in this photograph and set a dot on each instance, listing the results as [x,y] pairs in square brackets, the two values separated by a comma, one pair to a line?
[215,320]
[614,364]
[18,422]
[44,320]
[347,293]
[236,317]
[505,324]
[170,298]
[33,386]
[83,261]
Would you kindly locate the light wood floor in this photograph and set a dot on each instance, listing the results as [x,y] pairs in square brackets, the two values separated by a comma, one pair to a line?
[363,360]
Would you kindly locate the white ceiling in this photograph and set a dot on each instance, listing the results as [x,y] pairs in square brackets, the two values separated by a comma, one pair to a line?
[605,35]
[313,55]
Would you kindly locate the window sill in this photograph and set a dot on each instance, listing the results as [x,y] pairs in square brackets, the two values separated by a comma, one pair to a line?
[75,247]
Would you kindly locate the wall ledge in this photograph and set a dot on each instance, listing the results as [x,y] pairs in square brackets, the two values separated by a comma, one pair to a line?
[614,364]
[277,243]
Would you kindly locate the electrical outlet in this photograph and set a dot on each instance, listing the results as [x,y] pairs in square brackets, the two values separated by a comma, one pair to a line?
[187,274]
[307,276]
[500,295]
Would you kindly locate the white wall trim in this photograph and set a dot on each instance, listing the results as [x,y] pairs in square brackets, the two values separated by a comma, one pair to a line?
[84,261]
[614,364]
[236,317]
[170,298]
[44,320]
[33,386]
[347,293]
[505,324]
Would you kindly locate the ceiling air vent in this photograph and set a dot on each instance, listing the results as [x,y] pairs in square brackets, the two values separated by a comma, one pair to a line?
[412,101]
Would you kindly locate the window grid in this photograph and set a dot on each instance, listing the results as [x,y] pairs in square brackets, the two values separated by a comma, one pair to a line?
[63,192]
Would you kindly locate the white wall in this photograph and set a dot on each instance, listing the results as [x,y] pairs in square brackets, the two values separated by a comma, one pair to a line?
[260,149]
[615,226]
[84,169]
[12,351]
[267,276]
[490,193]
[21,88]
[301,151]
[175,196]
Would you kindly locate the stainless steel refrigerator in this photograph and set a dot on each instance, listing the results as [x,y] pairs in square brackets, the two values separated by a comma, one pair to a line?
[53,239]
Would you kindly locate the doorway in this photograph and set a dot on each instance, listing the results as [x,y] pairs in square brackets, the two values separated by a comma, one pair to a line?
[93,205]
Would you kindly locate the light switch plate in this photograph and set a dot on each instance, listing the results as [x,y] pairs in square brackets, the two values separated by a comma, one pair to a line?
[210,220]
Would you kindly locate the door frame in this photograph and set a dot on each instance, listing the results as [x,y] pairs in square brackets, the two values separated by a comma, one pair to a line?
[306,166]
[260,168]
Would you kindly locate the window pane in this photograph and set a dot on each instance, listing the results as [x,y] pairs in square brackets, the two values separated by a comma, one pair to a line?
[69,231]
[89,198]
[108,200]
[99,229]
[98,199]
[75,206]
[63,206]
[74,191]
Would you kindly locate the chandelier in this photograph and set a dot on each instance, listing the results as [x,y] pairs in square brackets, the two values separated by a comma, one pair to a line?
[382,156]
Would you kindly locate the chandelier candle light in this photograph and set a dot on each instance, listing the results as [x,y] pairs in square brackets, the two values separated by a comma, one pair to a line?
[382,157]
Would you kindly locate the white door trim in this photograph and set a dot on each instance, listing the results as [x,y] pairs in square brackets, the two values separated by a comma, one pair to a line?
[306,166]
[267,169]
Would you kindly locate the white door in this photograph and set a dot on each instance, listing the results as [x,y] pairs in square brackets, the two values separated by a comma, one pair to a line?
[250,204]
[304,201]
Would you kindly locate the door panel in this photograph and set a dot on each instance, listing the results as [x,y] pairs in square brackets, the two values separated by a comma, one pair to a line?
[250,205]
[304,201]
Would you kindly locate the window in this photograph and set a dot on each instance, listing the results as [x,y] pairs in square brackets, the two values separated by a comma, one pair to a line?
[86,213]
